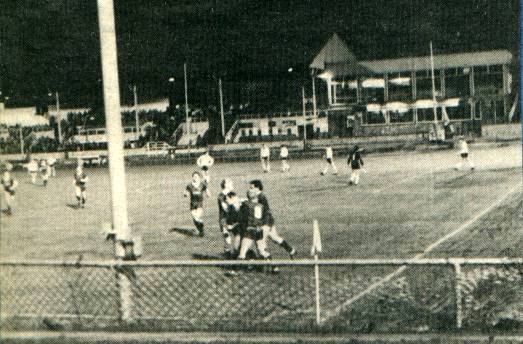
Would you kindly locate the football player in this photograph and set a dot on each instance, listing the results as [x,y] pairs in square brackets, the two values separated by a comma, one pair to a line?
[265,155]
[232,222]
[80,186]
[226,187]
[464,153]
[256,188]
[330,162]
[9,185]
[356,163]
[32,168]
[196,191]
[204,162]
[284,154]
[44,171]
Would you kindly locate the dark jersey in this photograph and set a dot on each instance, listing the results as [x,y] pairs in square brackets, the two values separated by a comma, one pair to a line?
[221,204]
[263,199]
[254,214]
[196,194]
[355,160]
[232,216]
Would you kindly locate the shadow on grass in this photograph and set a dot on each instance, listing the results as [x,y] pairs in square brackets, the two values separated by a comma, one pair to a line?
[184,231]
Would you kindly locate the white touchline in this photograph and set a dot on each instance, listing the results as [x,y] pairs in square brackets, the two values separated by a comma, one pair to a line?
[420,255]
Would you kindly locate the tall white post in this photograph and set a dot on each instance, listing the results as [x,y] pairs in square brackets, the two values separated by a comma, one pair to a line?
[115,144]
[222,115]
[317,287]
[136,120]
[58,117]
[457,291]
[303,102]
[433,85]
[314,105]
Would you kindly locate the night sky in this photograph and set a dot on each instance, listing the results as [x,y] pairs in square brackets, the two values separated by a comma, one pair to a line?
[48,45]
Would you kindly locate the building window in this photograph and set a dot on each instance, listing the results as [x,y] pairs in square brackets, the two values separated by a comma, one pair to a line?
[424,84]
[457,83]
[371,117]
[488,80]
[401,117]
[373,90]
[346,92]
[400,87]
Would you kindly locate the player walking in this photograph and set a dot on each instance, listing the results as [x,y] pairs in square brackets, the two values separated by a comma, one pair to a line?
[44,171]
[284,154]
[330,162]
[80,186]
[356,163]
[195,191]
[464,152]
[9,185]
[256,188]
[223,207]
[204,162]
[32,168]
[265,154]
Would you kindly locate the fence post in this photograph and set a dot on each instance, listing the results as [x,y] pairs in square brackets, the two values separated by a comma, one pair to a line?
[457,291]
[317,279]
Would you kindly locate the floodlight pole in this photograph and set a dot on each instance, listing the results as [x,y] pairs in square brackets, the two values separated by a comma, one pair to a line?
[20,131]
[221,108]
[186,99]
[433,85]
[136,120]
[58,117]
[117,176]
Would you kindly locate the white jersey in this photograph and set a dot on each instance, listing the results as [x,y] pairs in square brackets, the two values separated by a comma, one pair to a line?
[51,161]
[328,153]
[32,166]
[265,152]
[205,160]
[463,147]
[284,153]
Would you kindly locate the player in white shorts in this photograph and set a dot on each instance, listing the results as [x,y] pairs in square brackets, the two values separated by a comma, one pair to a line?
[204,162]
[51,162]
[44,171]
[80,186]
[330,162]
[356,163]
[284,155]
[265,155]
[9,185]
[196,191]
[32,168]
[464,153]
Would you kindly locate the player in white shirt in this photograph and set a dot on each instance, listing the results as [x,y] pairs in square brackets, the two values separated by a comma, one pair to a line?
[44,171]
[80,186]
[204,162]
[330,162]
[284,155]
[265,155]
[9,185]
[51,162]
[32,168]
[464,153]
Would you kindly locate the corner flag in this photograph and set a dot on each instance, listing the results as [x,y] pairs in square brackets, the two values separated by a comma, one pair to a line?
[316,239]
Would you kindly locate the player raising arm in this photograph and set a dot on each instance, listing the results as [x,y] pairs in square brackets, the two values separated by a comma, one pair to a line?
[196,191]
[80,186]
[204,162]
[9,185]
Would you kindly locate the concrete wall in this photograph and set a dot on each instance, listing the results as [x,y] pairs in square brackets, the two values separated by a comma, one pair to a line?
[501,131]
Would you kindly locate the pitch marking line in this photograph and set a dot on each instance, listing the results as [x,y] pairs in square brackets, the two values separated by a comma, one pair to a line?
[420,255]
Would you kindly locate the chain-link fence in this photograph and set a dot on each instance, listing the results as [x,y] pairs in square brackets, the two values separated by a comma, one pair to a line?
[352,295]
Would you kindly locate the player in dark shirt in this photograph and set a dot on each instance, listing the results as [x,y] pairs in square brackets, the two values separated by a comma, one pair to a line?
[356,163]
[227,187]
[9,185]
[256,186]
[232,222]
[196,191]
[254,216]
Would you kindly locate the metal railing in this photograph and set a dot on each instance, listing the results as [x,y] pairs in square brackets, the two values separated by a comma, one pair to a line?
[331,294]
